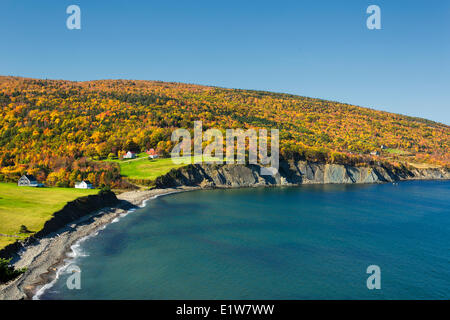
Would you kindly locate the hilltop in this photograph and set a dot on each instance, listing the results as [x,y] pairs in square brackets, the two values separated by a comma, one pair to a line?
[59,130]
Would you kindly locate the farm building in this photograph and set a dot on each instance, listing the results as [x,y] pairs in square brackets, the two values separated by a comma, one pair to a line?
[84,185]
[28,180]
[152,154]
[130,155]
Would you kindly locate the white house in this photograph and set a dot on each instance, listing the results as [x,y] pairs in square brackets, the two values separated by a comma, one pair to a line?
[27,180]
[84,185]
[130,155]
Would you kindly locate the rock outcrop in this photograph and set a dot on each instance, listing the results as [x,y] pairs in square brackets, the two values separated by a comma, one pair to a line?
[290,173]
[77,209]
[70,212]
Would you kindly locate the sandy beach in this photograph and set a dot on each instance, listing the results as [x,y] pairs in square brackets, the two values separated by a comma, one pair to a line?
[43,258]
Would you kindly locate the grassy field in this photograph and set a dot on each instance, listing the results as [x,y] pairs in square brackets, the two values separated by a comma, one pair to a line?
[143,168]
[4,241]
[396,151]
[31,207]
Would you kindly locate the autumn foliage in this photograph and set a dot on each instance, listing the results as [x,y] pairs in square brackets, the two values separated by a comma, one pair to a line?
[57,130]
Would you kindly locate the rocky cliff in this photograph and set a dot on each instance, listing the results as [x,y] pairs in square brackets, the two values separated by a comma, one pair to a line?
[290,173]
[70,212]
[77,209]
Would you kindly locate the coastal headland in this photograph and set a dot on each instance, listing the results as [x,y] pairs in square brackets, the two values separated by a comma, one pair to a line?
[43,254]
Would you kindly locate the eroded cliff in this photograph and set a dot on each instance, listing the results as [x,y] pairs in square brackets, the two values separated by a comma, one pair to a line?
[290,173]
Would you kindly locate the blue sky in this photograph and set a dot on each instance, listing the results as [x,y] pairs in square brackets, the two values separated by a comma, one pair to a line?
[312,48]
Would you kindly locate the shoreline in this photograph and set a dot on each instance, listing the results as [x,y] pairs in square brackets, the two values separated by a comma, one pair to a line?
[47,257]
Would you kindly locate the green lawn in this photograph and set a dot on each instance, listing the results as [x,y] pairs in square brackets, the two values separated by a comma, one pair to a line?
[31,207]
[4,241]
[143,168]
[147,169]
[395,151]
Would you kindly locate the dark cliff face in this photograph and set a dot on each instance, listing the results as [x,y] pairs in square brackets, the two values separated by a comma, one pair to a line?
[291,172]
[72,211]
[77,209]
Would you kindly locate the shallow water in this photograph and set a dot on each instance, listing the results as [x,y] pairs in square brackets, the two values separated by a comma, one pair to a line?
[308,242]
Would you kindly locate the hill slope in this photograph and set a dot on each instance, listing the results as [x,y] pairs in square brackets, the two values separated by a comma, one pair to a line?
[51,128]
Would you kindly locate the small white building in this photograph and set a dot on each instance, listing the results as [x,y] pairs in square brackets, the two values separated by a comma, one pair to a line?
[27,180]
[130,155]
[84,185]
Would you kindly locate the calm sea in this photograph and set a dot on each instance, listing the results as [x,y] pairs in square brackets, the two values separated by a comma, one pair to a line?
[308,242]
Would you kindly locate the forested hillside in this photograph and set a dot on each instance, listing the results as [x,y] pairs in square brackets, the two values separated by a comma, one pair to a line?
[58,130]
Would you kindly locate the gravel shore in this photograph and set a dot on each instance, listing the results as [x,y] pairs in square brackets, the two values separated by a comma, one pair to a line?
[43,257]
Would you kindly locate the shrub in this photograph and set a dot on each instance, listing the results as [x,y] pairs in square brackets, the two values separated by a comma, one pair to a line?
[24,229]
[105,189]
[8,272]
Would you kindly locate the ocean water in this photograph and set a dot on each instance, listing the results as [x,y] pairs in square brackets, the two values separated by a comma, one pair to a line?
[308,242]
